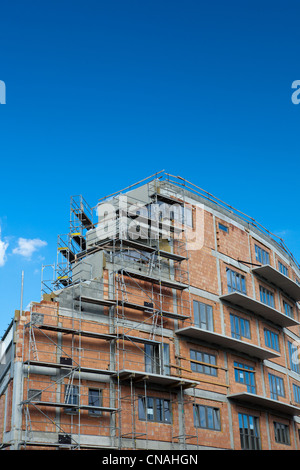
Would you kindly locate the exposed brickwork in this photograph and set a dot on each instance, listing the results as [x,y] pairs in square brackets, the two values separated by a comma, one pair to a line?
[233,249]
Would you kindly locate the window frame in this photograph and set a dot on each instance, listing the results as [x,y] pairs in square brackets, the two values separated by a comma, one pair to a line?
[233,279]
[273,339]
[276,384]
[203,315]
[296,392]
[157,358]
[261,255]
[95,412]
[71,398]
[223,227]
[282,433]
[208,368]
[288,309]
[293,349]
[283,269]
[157,405]
[253,441]
[248,373]
[243,324]
[211,414]
[267,294]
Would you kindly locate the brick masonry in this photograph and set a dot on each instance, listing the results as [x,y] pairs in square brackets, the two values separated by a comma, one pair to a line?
[207,266]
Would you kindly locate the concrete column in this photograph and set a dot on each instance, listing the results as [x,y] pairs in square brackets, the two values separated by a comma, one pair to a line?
[16,416]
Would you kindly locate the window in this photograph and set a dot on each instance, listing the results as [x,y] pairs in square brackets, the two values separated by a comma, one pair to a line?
[283,269]
[235,281]
[203,315]
[249,432]
[282,433]
[294,357]
[152,358]
[240,328]
[288,309]
[157,409]
[207,417]
[95,400]
[262,255]
[165,354]
[157,358]
[296,390]
[276,386]
[245,375]
[271,339]
[209,360]
[71,397]
[266,296]
[223,227]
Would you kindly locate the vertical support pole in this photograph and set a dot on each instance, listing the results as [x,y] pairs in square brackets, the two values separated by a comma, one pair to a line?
[22,288]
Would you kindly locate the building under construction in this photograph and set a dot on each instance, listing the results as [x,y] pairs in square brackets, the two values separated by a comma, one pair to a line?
[169,321]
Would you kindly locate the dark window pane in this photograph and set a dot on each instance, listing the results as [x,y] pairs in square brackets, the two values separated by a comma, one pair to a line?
[142,414]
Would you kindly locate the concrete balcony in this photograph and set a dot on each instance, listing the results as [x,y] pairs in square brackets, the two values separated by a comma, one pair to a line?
[166,381]
[264,403]
[226,342]
[279,280]
[238,300]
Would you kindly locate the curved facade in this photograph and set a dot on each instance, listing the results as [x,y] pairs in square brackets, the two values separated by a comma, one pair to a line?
[172,323]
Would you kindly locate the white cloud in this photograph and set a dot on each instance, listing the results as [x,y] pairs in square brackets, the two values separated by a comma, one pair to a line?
[26,246]
[3,248]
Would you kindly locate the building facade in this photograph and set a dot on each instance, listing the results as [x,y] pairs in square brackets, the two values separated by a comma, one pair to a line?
[171,322]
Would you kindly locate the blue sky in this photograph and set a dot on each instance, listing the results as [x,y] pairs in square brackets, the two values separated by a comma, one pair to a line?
[101,94]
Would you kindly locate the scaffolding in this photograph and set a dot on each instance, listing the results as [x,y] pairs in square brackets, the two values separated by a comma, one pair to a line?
[149,288]
[98,348]
[63,352]
[74,242]
[130,309]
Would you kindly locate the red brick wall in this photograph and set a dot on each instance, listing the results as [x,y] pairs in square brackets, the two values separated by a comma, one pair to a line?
[204,266]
